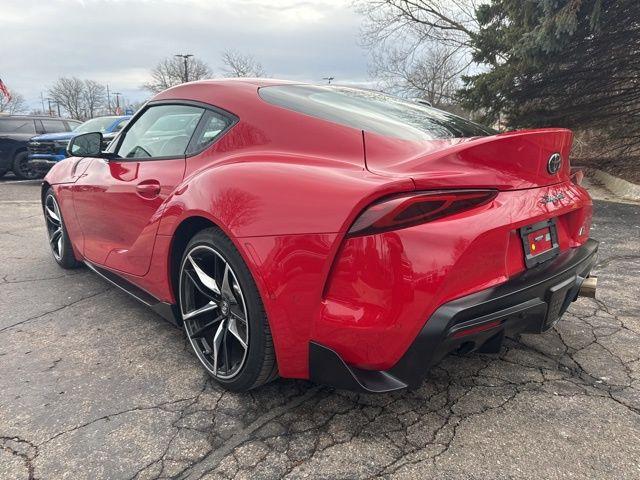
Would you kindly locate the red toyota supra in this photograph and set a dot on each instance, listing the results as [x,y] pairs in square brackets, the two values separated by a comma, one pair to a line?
[323,232]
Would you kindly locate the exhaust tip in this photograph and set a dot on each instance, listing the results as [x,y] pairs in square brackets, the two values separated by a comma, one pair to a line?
[588,287]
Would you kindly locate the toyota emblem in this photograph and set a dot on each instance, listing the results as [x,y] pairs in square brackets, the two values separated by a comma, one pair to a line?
[554,163]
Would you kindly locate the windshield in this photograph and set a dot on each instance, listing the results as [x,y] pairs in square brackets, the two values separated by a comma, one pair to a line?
[373,111]
[95,125]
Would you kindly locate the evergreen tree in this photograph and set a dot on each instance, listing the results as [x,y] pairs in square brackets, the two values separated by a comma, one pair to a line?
[570,63]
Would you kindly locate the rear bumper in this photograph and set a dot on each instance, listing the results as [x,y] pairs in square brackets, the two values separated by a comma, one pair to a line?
[529,303]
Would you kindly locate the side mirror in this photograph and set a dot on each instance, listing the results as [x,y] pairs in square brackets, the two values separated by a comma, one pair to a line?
[86,145]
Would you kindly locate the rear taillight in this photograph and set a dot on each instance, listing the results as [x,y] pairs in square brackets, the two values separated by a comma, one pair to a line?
[407,210]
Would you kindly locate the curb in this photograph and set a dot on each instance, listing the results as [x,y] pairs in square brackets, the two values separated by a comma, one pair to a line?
[616,185]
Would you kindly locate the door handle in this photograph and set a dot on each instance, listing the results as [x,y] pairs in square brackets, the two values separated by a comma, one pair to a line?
[148,188]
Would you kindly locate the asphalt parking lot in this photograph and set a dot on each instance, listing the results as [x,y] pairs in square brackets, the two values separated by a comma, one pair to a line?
[94,385]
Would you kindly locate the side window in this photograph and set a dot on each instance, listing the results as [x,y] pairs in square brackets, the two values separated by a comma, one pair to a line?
[53,126]
[10,125]
[161,131]
[213,125]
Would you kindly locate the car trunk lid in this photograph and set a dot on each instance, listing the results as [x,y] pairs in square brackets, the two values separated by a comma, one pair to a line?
[507,161]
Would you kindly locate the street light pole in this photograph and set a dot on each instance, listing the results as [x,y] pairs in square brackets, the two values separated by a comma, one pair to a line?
[328,79]
[185,57]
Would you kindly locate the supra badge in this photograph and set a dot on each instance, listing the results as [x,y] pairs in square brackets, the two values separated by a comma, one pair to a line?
[552,198]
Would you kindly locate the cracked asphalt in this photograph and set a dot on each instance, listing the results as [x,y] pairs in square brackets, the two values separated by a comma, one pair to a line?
[94,385]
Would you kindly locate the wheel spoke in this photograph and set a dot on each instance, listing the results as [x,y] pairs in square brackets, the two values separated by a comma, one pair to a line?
[196,284]
[233,329]
[53,217]
[207,308]
[226,285]
[55,236]
[200,331]
[217,339]
[238,316]
[206,280]
[225,348]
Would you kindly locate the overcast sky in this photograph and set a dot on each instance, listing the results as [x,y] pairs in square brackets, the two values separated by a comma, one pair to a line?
[118,41]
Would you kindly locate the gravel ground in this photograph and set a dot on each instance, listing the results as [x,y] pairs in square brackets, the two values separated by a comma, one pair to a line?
[94,385]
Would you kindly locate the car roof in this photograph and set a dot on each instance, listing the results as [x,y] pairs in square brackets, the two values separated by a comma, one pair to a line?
[258,82]
[235,95]
[38,117]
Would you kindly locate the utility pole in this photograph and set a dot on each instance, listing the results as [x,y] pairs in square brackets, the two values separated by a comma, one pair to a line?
[117,95]
[42,99]
[328,79]
[185,58]
[108,100]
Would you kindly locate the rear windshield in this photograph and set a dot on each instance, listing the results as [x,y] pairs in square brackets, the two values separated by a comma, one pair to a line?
[16,125]
[373,112]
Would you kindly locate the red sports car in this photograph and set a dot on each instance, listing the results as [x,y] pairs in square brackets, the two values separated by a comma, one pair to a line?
[323,232]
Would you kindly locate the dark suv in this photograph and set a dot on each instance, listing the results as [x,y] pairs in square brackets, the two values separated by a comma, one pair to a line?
[15,132]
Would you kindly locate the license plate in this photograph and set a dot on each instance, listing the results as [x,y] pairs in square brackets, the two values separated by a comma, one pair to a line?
[540,242]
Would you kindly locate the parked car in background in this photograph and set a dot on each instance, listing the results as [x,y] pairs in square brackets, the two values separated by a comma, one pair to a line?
[46,150]
[15,132]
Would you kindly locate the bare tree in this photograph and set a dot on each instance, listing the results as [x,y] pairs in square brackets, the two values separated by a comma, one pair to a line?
[69,94]
[170,71]
[237,64]
[93,97]
[431,73]
[16,104]
[420,48]
[446,22]
[137,105]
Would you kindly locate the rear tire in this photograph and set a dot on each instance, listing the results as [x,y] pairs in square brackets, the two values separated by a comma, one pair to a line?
[22,169]
[223,315]
[57,235]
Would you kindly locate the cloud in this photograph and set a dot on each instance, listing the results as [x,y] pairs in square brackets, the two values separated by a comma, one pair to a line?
[118,41]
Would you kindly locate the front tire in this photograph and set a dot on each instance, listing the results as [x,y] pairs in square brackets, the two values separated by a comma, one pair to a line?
[57,233]
[223,315]
[22,167]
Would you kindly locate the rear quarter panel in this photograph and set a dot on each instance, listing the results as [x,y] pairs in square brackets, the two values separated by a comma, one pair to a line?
[383,288]
[285,217]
